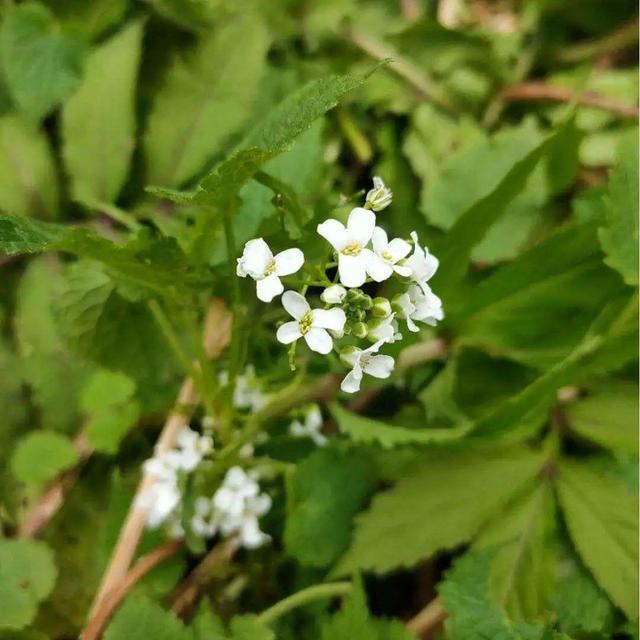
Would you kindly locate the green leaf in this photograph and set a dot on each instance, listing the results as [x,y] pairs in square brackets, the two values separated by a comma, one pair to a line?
[206,624]
[249,627]
[460,490]
[41,456]
[609,417]
[98,142]
[27,576]
[354,622]
[28,176]
[365,430]
[42,66]
[619,238]
[205,100]
[602,518]
[523,565]
[140,618]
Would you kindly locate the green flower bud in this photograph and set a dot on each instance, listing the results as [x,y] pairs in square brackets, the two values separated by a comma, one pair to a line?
[359,329]
[381,307]
[366,302]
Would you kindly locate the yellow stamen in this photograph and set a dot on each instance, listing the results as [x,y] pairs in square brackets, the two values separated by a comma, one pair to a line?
[352,249]
[270,268]
[305,322]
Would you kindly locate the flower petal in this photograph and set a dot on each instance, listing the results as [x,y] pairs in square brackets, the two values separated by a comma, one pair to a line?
[268,288]
[379,240]
[334,294]
[351,382]
[334,232]
[352,270]
[379,366]
[295,304]
[398,248]
[319,340]
[360,225]
[378,269]
[256,257]
[329,319]
[402,270]
[289,261]
[288,332]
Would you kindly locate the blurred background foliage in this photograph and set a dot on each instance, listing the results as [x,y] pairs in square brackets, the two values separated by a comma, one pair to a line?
[100,99]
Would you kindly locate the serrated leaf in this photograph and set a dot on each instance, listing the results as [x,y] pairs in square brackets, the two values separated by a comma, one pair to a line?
[460,490]
[602,518]
[98,141]
[28,176]
[41,65]
[41,456]
[325,493]
[365,430]
[619,238]
[205,100]
[523,565]
[140,618]
[27,576]
[608,417]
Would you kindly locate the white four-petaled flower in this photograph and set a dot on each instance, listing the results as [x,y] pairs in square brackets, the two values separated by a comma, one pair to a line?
[351,244]
[266,269]
[365,361]
[422,264]
[310,324]
[387,255]
[311,427]
[421,304]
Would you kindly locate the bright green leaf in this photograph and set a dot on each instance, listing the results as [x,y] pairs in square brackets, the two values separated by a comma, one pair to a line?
[249,627]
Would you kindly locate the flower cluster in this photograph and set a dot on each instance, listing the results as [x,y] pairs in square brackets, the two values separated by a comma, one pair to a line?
[310,426]
[362,253]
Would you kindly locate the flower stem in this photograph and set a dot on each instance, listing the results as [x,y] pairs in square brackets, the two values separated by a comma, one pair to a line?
[235,349]
[317,592]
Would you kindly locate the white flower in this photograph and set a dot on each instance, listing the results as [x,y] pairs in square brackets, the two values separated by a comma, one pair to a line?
[421,304]
[384,329]
[259,262]
[159,499]
[312,324]
[206,520]
[350,242]
[422,264]
[365,361]
[380,196]
[236,488]
[387,255]
[189,449]
[333,295]
[311,427]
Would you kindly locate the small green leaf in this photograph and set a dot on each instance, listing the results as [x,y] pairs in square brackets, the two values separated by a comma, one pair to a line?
[27,576]
[249,627]
[619,238]
[206,624]
[602,518]
[98,141]
[41,456]
[325,493]
[42,66]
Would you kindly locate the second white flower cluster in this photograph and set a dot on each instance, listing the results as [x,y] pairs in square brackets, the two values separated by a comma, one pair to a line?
[362,253]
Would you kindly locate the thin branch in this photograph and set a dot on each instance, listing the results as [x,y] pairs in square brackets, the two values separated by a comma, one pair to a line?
[114,597]
[53,496]
[430,618]
[541,91]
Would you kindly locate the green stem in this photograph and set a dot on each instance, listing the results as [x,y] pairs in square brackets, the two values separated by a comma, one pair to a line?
[235,348]
[317,592]
[171,337]
[356,139]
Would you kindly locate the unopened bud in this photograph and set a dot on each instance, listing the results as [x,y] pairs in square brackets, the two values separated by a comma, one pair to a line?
[380,196]
[381,307]
[334,294]
[359,329]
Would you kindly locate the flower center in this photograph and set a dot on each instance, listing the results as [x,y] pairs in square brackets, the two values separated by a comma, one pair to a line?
[305,322]
[352,249]
[270,268]
[387,256]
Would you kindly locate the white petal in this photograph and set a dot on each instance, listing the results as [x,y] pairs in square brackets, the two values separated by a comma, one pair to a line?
[379,240]
[295,304]
[334,294]
[378,269]
[399,248]
[256,257]
[288,332]
[360,225]
[268,288]
[351,356]
[431,265]
[329,319]
[334,232]
[352,270]
[318,340]
[402,270]
[379,366]
[289,261]
[351,382]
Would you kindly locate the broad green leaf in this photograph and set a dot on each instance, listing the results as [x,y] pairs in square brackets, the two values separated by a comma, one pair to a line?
[354,622]
[98,120]
[140,618]
[206,624]
[608,417]
[41,456]
[93,18]
[460,490]
[619,238]
[41,65]
[602,518]
[471,614]
[365,430]
[27,576]
[249,627]
[325,493]
[523,565]
[28,176]
[205,100]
